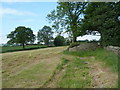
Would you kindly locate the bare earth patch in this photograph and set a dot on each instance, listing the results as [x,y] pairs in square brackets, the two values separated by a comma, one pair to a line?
[102,76]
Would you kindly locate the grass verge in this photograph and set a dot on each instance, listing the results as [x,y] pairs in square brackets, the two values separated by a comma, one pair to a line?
[109,58]
[76,75]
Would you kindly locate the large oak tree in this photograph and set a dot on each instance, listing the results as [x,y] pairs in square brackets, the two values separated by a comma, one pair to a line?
[67,16]
[21,35]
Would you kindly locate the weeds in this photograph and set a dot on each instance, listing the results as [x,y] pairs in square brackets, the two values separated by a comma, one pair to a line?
[60,66]
[76,75]
[109,58]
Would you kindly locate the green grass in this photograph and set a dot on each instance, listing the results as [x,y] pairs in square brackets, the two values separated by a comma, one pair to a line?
[29,77]
[29,69]
[4,49]
[39,66]
[63,62]
[58,69]
[76,75]
[109,58]
[119,72]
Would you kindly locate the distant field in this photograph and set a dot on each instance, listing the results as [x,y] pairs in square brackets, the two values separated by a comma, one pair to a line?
[4,49]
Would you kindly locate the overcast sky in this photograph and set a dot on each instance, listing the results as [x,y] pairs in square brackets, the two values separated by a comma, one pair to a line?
[29,14]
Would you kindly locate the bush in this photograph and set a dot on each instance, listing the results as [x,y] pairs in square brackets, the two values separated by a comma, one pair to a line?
[59,41]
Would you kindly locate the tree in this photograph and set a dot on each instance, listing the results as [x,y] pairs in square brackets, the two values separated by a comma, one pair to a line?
[59,41]
[67,41]
[45,35]
[102,17]
[21,35]
[68,16]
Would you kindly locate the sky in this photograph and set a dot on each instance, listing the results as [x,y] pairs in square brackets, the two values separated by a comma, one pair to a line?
[28,14]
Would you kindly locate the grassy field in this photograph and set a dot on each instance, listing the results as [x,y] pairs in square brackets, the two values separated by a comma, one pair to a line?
[4,49]
[30,69]
[53,68]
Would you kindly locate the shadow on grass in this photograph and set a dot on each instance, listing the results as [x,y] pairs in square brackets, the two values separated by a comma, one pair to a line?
[11,49]
[26,49]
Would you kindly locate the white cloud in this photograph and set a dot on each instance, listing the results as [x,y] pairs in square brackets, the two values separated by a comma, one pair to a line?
[88,37]
[3,39]
[35,33]
[15,12]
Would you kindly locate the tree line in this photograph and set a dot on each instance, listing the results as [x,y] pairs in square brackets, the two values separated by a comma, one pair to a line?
[23,36]
[77,19]
[80,18]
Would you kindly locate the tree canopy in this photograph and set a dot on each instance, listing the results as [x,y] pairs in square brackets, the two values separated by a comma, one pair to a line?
[68,16]
[21,35]
[45,35]
[102,17]
[77,18]
[97,16]
[59,41]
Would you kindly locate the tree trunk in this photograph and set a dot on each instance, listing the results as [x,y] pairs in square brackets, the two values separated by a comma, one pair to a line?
[23,46]
[74,38]
[47,42]
[102,39]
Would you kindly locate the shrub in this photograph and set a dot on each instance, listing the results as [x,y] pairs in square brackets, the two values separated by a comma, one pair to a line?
[59,41]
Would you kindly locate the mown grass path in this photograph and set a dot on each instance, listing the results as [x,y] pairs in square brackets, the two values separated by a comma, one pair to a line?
[29,69]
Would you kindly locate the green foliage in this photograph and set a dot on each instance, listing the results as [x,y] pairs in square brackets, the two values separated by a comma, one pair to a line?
[67,16]
[102,17]
[45,35]
[59,41]
[98,16]
[67,41]
[21,35]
